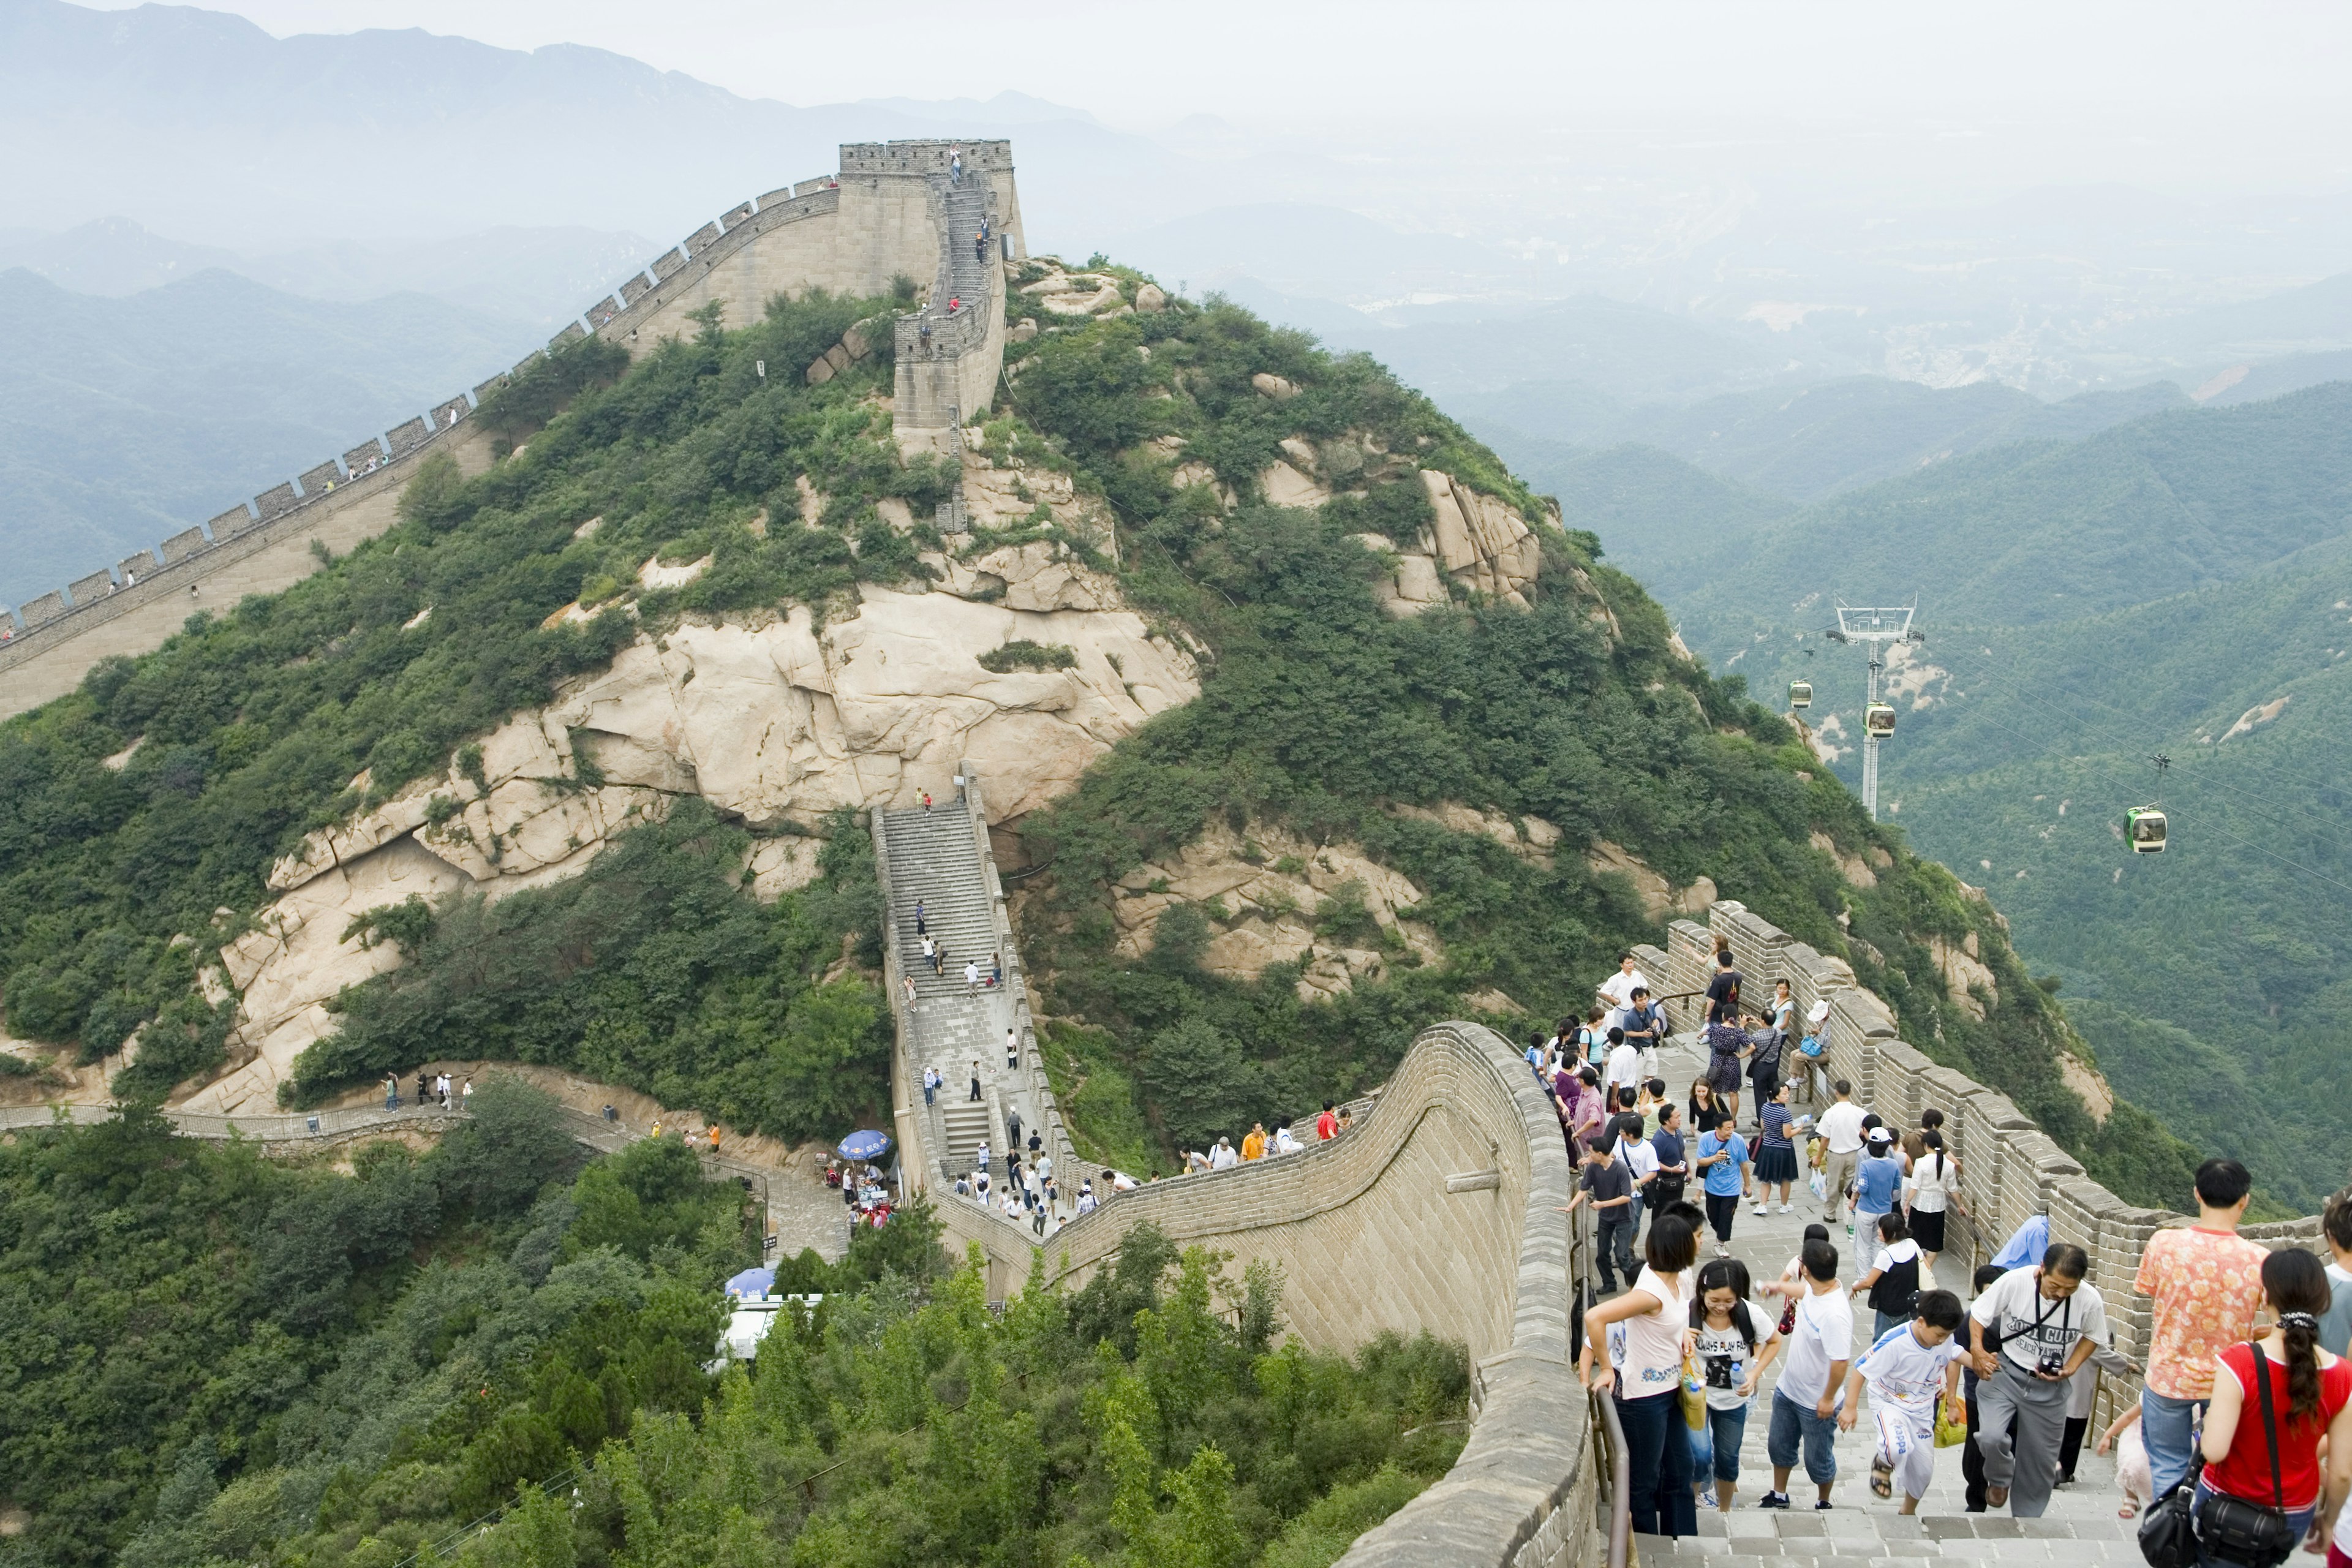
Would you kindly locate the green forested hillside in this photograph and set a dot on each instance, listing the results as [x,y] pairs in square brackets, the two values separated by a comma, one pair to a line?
[2062,654]
[294,1367]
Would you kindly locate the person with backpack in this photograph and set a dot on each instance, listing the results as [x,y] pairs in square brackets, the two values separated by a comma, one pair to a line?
[1733,1341]
[1723,990]
[2274,1399]
[1892,1285]
[1766,1042]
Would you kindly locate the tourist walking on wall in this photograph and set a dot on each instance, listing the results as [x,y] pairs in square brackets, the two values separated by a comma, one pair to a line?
[2335,1229]
[1732,1339]
[2050,1321]
[391,1091]
[1012,1047]
[1254,1142]
[1891,1287]
[1935,1178]
[1616,993]
[919,927]
[1804,1407]
[1723,1156]
[1609,1182]
[1644,1026]
[1841,1129]
[1877,1187]
[1776,1150]
[975,1079]
[1725,1042]
[1657,1314]
[1326,1124]
[1907,1369]
[1723,990]
[2205,1282]
[2273,1400]
[1674,1158]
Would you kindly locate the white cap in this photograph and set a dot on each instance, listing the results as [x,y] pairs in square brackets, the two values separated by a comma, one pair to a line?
[1819,1011]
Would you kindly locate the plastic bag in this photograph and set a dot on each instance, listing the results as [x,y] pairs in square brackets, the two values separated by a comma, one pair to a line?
[1820,1183]
[1951,1424]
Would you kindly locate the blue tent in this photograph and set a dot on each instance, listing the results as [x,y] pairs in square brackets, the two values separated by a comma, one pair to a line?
[866,1145]
[753,1282]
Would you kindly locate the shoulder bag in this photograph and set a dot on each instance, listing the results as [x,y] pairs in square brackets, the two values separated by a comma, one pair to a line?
[2236,1529]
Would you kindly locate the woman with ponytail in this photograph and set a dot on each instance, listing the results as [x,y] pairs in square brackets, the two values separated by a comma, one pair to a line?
[2310,1397]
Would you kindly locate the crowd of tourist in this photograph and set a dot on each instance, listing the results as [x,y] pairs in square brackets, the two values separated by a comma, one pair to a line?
[2244,1422]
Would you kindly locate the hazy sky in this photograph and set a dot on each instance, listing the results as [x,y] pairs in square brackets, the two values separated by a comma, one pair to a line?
[2216,93]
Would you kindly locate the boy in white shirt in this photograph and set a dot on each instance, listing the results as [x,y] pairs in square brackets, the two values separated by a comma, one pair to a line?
[1906,1370]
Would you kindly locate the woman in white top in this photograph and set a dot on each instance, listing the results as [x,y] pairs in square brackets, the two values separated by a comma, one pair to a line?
[1935,1179]
[1656,1316]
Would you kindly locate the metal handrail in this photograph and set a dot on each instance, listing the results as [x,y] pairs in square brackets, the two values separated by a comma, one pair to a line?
[1621,1483]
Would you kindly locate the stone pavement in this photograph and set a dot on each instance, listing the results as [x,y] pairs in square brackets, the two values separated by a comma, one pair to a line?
[2081,1526]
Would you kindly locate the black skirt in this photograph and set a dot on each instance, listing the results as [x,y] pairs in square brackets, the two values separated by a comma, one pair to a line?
[1927,1229]
[1778,1163]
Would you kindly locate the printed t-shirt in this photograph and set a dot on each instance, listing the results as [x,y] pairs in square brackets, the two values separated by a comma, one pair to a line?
[1907,1374]
[1719,1350]
[2207,1285]
[2032,1326]
[2246,1473]
[1823,1334]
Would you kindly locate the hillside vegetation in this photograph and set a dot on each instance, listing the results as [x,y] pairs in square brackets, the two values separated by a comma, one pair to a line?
[366,1363]
[2178,586]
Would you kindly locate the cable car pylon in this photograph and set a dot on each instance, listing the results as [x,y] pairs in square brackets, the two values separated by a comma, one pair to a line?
[1873,628]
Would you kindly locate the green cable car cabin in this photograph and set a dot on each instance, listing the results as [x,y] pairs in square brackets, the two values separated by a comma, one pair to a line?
[2144,830]
[1800,694]
[1878,721]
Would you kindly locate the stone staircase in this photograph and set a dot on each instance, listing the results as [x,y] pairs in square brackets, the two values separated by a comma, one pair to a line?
[968,275]
[934,859]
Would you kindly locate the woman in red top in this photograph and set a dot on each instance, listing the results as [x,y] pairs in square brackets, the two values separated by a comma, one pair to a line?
[2310,1396]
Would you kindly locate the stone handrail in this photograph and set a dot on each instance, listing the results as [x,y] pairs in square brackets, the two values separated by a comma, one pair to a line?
[2009,1169]
[1441,1212]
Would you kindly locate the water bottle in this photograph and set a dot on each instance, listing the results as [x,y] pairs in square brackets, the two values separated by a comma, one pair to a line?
[1738,1371]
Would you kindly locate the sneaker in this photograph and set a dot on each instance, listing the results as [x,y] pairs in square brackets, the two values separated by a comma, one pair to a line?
[1784,1208]
[1773,1499]
[1822,1506]
[1759,1208]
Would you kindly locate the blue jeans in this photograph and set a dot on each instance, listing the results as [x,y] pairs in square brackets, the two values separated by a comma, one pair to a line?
[2168,1427]
[1715,1445]
[1658,1459]
[2297,1518]
[1794,1426]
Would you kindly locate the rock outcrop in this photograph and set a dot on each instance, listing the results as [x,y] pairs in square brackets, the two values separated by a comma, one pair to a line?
[1262,892]
[1475,541]
[1661,900]
[776,720]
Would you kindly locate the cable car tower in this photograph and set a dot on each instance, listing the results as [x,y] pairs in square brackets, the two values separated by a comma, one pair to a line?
[1873,629]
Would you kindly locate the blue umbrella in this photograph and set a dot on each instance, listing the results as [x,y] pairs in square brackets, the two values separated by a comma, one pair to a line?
[866,1145]
[752,1282]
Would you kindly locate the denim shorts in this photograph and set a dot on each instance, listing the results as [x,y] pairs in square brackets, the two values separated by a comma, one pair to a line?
[1794,1428]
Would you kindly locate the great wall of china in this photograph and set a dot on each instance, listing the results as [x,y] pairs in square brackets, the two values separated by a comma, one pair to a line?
[892,210]
[1439,1210]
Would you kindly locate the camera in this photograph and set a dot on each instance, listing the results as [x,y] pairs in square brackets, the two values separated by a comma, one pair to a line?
[2051,1366]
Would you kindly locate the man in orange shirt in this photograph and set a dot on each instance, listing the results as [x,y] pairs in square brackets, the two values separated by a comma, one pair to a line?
[1253,1146]
[2206,1280]
[1327,1126]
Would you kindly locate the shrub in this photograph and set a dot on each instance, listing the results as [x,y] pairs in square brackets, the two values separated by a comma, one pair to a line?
[1023,654]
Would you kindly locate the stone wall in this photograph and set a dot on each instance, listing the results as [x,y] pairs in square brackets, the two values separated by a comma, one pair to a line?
[2009,1169]
[849,233]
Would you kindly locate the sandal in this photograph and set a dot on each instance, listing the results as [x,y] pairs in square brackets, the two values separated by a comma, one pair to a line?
[1882,1479]
[2129,1510]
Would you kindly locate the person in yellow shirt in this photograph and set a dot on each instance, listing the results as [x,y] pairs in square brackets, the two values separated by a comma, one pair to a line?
[1253,1146]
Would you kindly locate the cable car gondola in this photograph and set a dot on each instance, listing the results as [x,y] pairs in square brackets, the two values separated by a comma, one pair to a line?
[1800,694]
[1878,721]
[2144,830]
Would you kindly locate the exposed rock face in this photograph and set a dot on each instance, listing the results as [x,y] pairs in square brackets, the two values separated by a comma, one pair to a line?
[1149,301]
[1281,389]
[1271,887]
[1853,868]
[1476,542]
[1660,898]
[776,720]
[1530,837]
[1965,975]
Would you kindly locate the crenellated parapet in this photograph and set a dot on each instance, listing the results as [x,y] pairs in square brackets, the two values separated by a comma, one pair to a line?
[891,211]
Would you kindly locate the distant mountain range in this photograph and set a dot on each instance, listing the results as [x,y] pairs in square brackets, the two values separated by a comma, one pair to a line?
[125,420]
